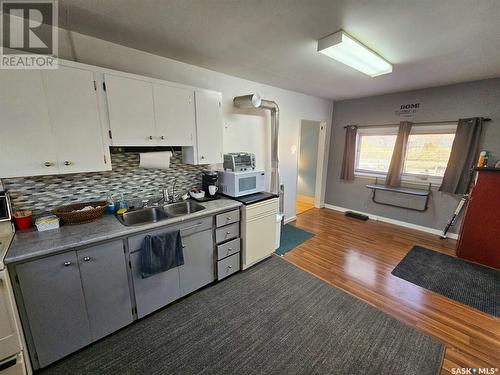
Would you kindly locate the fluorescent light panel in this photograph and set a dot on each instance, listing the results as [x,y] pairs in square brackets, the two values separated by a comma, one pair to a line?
[344,48]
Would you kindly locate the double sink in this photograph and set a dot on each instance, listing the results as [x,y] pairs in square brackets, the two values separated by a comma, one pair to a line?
[149,215]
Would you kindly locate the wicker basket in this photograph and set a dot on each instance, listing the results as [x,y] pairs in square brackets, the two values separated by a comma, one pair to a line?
[70,214]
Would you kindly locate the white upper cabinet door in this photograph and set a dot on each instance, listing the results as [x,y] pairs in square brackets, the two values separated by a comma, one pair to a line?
[74,114]
[174,114]
[26,139]
[131,111]
[209,127]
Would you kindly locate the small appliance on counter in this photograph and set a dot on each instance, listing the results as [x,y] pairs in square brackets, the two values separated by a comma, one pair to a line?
[5,210]
[239,161]
[237,184]
[209,185]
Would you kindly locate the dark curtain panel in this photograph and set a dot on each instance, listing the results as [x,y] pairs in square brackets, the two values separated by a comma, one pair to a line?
[399,155]
[463,157]
[347,172]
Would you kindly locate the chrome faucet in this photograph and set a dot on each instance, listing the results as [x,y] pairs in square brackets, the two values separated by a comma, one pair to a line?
[174,197]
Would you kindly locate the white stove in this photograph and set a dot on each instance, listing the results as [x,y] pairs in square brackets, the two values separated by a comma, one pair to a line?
[11,340]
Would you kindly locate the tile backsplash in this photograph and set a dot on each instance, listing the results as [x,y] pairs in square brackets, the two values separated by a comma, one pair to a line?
[44,193]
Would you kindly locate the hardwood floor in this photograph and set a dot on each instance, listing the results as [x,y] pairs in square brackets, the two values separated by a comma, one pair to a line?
[358,257]
[303,203]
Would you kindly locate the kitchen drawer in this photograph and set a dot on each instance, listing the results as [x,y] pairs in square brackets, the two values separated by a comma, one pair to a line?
[227,233]
[228,266]
[228,248]
[187,228]
[227,218]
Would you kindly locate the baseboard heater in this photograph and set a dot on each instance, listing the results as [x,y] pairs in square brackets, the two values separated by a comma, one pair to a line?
[356,215]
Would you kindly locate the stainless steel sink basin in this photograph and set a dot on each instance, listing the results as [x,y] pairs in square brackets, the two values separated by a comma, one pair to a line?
[183,208]
[143,216]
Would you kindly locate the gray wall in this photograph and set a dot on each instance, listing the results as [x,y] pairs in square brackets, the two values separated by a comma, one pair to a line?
[479,98]
[308,158]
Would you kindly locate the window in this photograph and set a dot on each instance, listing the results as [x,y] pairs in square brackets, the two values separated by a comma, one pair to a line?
[429,149]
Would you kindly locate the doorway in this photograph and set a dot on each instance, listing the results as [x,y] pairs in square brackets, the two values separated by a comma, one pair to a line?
[307,176]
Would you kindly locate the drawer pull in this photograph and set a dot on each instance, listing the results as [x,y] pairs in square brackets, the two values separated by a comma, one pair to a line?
[183,246]
[86,259]
[228,233]
[230,249]
[229,266]
[228,218]
[67,264]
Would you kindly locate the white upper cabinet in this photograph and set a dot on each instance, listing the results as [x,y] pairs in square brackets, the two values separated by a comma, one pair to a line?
[73,111]
[131,111]
[26,139]
[208,148]
[174,115]
[49,123]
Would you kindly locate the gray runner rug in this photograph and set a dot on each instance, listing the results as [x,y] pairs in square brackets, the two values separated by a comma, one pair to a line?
[271,319]
[462,281]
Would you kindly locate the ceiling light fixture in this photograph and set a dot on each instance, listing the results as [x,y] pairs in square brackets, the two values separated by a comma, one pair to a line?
[344,48]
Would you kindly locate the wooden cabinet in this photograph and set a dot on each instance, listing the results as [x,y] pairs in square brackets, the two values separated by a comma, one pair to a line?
[55,305]
[154,292]
[131,111]
[50,123]
[27,144]
[208,147]
[478,241]
[142,113]
[198,269]
[103,272]
[174,115]
[74,298]
[73,110]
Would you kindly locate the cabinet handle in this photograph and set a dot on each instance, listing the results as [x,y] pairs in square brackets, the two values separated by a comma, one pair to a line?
[202,157]
[228,233]
[68,162]
[228,218]
[86,259]
[150,137]
[162,137]
[48,164]
[229,266]
[183,246]
[230,249]
[67,264]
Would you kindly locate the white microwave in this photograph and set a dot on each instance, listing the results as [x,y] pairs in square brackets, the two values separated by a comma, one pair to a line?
[237,184]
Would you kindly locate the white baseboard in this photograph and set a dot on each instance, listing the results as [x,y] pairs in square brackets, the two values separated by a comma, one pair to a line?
[395,222]
[293,218]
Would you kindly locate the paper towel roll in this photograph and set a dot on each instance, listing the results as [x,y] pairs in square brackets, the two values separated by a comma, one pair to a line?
[155,160]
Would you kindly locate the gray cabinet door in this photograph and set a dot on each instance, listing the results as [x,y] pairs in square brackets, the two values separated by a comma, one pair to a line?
[198,269]
[155,291]
[103,271]
[55,306]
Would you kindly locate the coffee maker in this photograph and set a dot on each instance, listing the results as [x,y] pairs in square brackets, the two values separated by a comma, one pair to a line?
[209,178]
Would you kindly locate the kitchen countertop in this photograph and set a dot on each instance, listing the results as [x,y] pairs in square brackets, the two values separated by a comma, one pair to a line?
[32,244]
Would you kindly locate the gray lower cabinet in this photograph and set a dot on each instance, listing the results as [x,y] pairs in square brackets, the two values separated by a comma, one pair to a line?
[55,306]
[104,278]
[198,269]
[74,298]
[155,291]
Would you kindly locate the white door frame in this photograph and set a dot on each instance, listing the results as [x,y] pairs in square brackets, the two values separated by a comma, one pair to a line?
[321,164]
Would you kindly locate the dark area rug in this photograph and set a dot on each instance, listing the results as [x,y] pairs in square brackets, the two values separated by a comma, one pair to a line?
[462,281]
[271,319]
[291,237]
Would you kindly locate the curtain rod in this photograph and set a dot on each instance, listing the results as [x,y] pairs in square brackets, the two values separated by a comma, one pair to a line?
[415,123]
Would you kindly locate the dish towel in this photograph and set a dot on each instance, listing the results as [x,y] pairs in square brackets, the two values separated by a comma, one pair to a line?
[160,253]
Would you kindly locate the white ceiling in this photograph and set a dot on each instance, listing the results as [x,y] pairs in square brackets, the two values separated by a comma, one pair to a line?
[430,42]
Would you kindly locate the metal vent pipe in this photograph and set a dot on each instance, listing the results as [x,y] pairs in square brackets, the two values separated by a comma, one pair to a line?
[255,101]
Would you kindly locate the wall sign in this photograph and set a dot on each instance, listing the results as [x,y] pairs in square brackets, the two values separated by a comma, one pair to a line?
[408,110]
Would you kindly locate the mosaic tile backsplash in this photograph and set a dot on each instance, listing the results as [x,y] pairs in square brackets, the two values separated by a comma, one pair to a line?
[44,193]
